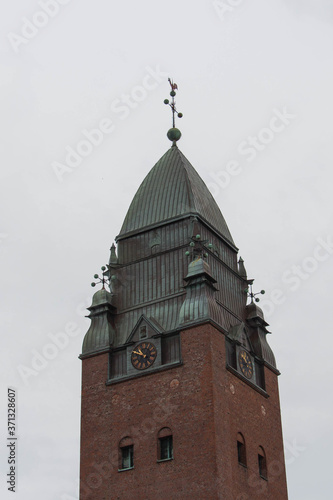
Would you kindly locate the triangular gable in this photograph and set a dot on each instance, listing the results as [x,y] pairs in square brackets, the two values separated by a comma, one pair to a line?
[145,328]
[239,334]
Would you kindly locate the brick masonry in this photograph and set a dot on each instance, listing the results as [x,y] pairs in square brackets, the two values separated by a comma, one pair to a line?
[204,405]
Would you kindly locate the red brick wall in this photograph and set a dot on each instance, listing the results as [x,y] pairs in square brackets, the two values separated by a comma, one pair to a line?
[196,402]
[241,409]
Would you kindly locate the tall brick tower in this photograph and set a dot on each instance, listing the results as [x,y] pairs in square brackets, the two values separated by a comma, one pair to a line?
[179,385]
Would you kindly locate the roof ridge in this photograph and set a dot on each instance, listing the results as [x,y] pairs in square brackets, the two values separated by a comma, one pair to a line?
[184,160]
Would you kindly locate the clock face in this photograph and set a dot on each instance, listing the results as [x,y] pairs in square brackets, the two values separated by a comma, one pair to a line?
[245,364]
[143,355]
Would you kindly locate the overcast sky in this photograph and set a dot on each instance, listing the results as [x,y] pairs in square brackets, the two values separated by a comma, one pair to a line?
[255,86]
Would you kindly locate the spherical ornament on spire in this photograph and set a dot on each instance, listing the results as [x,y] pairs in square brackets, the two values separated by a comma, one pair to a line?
[174,134]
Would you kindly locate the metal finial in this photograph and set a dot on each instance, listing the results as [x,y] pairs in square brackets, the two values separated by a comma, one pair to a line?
[174,134]
[253,295]
[104,279]
[197,248]
[241,268]
[113,255]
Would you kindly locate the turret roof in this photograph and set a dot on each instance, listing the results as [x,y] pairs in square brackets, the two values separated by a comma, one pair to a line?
[172,190]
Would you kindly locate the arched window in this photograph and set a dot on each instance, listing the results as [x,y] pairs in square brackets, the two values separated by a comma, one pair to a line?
[126,454]
[262,464]
[165,444]
[241,449]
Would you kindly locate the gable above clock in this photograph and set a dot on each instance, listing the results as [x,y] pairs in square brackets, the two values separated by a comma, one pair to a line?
[145,328]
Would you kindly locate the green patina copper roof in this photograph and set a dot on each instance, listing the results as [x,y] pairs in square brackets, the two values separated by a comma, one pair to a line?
[172,189]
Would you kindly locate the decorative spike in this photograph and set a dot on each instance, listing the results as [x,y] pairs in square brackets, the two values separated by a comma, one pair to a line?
[174,134]
[241,268]
[113,255]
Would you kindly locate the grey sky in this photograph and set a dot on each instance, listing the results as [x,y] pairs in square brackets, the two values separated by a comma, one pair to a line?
[255,86]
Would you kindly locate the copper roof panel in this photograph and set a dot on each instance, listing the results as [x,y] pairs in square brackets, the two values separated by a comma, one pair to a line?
[171,189]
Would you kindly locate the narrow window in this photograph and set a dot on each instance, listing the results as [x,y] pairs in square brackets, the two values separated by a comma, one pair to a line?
[260,379]
[118,363]
[231,350]
[170,349]
[241,451]
[165,444]
[166,448]
[127,457]
[262,463]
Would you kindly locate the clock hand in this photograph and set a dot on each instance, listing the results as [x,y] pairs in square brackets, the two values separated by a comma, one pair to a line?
[139,353]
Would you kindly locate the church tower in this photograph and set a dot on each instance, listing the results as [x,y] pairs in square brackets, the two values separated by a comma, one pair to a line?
[179,385]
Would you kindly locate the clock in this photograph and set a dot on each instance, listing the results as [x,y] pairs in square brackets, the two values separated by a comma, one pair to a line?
[245,364]
[143,355]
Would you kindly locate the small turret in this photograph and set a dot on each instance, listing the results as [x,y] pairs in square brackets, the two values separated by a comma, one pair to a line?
[258,333]
[101,333]
[241,268]
[113,256]
[200,302]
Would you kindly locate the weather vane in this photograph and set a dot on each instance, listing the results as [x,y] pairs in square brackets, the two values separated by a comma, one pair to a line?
[174,133]
[197,246]
[102,280]
[251,294]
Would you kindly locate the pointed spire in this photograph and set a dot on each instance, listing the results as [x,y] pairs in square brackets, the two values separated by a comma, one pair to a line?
[113,255]
[241,268]
[174,134]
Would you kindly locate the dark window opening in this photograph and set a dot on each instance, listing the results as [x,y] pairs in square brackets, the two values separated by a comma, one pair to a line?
[170,349]
[118,364]
[231,352]
[166,448]
[143,332]
[262,466]
[260,379]
[241,453]
[127,457]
